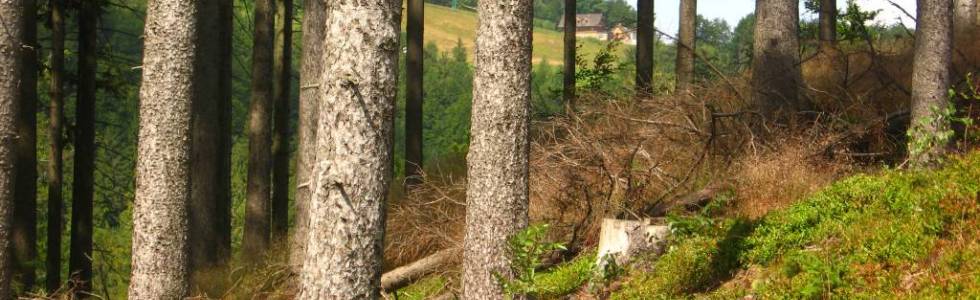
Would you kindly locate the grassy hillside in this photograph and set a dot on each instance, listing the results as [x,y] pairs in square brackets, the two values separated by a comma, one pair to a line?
[445,27]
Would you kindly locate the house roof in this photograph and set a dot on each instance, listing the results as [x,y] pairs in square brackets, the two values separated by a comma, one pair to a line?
[585,20]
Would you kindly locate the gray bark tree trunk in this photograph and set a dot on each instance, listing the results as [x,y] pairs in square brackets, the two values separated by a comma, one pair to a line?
[280,141]
[163,166]
[258,190]
[965,18]
[314,12]
[497,190]
[55,134]
[776,74]
[11,18]
[686,38]
[930,80]
[568,76]
[25,191]
[644,46]
[353,162]
[83,183]
[828,24]
[413,93]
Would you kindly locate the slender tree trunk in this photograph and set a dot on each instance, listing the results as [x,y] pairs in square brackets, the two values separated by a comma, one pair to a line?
[413,94]
[226,15]
[497,193]
[163,166]
[828,24]
[11,18]
[930,80]
[206,143]
[644,47]
[56,115]
[353,150]
[686,38]
[257,210]
[776,74]
[280,140]
[965,18]
[79,261]
[25,191]
[309,99]
[568,77]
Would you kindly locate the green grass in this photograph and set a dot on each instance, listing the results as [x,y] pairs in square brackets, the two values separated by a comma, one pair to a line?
[445,27]
[897,234]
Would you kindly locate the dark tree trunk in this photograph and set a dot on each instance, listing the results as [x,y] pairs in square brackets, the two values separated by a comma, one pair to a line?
[56,115]
[79,261]
[280,141]
[309,97]
[256,240]
[497,164]
[413,93]
[207,141]
[226,14]
[25,191]
[644,47]
[686,38]
[776,74]
[828,24]
[568,78]
[161,262]
[11,19]
[930,81]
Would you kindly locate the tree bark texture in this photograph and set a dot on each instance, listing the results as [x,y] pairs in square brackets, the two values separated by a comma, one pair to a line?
[965,18]
[644,47]
[497,190]
[207,139]
[283,74]
[314,12]
[226,15]
[353,150]
[776,74]
[828,24]
[55,134]
[160,267]
[686,37]
[11,18]
[568,76]
[83,184]
[413,93]
[931,78]
[25,191]
[258,190]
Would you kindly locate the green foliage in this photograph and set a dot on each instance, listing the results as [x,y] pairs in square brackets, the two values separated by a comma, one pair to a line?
[565,278]
[935,131]
[596,76]
[526,249]
[425,288]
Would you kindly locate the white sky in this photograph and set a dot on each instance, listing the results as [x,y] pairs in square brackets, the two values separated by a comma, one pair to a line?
[734,10]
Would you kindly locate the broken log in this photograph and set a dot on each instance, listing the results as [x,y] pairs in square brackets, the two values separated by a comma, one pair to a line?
[407,274]
[621,240]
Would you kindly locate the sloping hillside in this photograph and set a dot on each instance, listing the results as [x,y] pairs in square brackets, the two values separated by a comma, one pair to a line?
[445,27]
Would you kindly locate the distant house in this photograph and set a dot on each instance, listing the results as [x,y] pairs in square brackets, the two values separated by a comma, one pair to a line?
[588,25]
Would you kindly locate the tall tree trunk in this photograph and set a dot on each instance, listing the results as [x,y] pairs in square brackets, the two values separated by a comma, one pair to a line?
[686,38]
[776,74]
[828,24]
[257,228]
[163,166]
[25,191]
[353,150]
[309,99]
[56,115]
[79,261]
[11,18]
[930,80]
[226,15]
[413,93]
[280,140]
[965,18]
[644,47]
[497,193]
[206,143]
[568,76]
